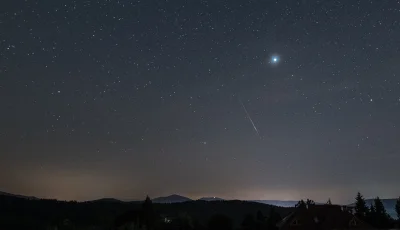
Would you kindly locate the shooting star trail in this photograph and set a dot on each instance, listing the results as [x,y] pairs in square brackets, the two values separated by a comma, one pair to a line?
[251,120]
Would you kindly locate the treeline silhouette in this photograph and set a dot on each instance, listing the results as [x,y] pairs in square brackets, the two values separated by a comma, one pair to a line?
[376,214]
[147,218]
[19,213]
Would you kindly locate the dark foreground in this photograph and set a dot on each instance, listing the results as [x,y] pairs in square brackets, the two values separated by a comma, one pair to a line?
[21,213]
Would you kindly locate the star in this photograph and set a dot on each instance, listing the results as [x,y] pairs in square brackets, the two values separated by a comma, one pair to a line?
[274,59]
[252,90]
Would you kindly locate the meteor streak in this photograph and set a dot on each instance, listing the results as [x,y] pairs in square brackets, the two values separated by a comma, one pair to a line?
[251,120]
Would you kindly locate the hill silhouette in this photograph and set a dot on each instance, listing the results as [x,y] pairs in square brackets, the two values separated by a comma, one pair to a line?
[107,200]
[18,196]
[171,199]
[21,213]
[279,203]
[211,199]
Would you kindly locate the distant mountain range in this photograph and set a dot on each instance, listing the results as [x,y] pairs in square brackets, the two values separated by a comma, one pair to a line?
[103,213]
[179,199]
[388,203]
[211,199]
[18,196]
[110,200]
[279,203]
[171,199]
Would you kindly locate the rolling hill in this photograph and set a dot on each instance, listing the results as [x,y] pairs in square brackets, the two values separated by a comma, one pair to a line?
[18,196]
[171,199]
[21,213]
[279,203]
[211,199]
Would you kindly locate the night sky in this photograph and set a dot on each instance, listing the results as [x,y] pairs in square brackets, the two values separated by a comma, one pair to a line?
[247,99]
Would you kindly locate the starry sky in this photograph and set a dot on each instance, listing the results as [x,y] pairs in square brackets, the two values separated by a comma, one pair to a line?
[244,99]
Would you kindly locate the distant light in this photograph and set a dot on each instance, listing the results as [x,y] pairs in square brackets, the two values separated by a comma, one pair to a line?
[275,59]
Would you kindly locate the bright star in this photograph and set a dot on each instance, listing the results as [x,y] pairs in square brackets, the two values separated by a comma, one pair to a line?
[274,59]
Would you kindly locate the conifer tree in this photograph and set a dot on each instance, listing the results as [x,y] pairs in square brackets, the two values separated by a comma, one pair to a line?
[148,214]
[361,207]
[310,202]
[398,208]
[301,204]
[381,218]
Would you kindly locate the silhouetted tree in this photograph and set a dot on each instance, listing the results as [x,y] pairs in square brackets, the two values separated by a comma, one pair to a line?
[329,201]
[24,214]
[301,204]
[380,218]
[398,208]
[310,202]
[370,218]
[220,222]
[379,208]
[148,214]
[372,209]
[361,207]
